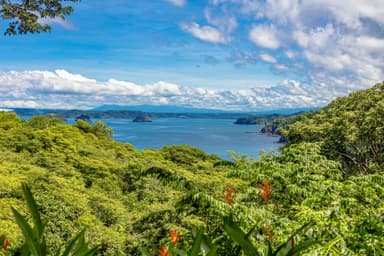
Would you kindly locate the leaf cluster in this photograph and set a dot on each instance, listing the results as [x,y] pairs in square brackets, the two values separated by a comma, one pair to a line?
[32,16]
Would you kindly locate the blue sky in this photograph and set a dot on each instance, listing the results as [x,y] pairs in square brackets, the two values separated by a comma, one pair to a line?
[228,54]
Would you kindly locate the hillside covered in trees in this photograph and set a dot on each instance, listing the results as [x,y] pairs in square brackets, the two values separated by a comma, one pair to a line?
[330,174]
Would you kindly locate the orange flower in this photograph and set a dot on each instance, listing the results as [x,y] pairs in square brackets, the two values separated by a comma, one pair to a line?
[6,243]
[163,251]
[266,192]
[230,195]
[174,237]
[268,231]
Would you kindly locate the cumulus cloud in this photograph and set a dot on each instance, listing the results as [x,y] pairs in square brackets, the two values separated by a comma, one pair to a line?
[62,89]
[339,44]
[268,58]
[224,21]
[264,36]
[290,54]
[220,26]
[205,33]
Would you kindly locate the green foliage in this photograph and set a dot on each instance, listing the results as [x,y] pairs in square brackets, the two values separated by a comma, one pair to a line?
[350,130]
[25,16]
[245,246]
[99,129]
[9,120]
[129,199]
[288,248]
[34,237]
[41,122]
[186,155]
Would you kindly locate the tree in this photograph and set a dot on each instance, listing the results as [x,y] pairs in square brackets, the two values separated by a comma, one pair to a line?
[29,16]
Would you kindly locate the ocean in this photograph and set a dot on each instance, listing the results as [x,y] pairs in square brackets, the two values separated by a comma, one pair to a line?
[214,136]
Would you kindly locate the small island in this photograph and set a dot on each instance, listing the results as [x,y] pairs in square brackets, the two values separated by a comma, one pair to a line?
[142,119]
[83,117]
[248,120]
[271,124]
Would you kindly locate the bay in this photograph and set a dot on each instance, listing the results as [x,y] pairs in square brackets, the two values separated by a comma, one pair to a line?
[214,136]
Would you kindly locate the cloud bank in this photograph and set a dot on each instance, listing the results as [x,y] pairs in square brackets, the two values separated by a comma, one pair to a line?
[338,44]
[62,89]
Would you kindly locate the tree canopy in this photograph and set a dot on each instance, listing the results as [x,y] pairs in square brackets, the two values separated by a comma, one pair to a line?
[32,16]
[129,199]
[350,130]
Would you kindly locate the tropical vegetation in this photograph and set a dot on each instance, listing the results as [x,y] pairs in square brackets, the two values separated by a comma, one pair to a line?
[323,194]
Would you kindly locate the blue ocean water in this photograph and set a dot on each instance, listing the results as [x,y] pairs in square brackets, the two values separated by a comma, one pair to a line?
[214,136]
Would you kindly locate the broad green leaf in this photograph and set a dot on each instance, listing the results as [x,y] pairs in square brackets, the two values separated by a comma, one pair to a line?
[32,206]
[30,239]
[288,241]
[270,250]
[72,243]
[197,242]
[144,252]
[301,247]
[239,237]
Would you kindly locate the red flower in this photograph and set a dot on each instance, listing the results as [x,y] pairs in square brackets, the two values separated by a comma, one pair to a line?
[230,195]
[6,243]
[174,237]
[268,231]
[265,191]
[163,251]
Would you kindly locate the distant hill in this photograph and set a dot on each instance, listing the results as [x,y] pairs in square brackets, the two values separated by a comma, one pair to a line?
[159,109]
[286,111]
[181,109]
[155,111]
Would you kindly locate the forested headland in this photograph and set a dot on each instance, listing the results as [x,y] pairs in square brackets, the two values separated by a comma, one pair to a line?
[329,175]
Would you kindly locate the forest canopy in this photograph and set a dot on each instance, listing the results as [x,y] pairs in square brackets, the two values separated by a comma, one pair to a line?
[329,174]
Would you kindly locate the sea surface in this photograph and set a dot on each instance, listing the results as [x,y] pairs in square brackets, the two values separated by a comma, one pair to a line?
[214,136]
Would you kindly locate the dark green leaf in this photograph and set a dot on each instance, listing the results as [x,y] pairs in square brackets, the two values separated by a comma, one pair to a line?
[30,239]
[239,237]
[197,242]
[32,206]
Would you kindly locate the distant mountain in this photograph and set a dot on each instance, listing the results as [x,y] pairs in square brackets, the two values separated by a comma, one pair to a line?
[180,109]
[160,109]
[155,111]
[286,111]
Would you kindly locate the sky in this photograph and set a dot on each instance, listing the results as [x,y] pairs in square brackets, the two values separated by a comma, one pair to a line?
[222,54]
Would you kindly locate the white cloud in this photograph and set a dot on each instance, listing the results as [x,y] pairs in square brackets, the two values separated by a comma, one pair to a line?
[58,21]
[370,43]
[290,54]
[224,22]
[19,104]
[280,67]
[205,33]
[336,44]
[268,58]
[61,89]
[179,3]
[264,36]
